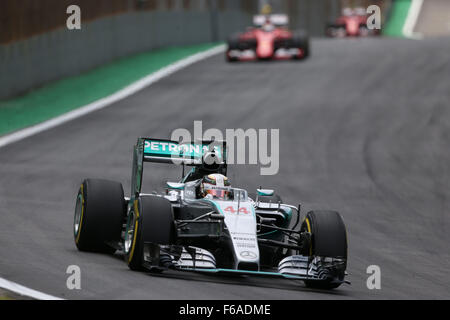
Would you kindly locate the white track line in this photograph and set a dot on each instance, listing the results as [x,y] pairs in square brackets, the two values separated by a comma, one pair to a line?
[411,20]
[104,102]
[24,291]
[97,105]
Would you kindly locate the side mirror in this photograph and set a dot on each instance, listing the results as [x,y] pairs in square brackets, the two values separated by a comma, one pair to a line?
[265,192]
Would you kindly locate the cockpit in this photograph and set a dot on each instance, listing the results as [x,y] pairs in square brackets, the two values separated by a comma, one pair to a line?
[192,190]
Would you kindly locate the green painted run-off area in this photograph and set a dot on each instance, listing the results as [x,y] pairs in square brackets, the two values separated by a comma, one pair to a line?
[68,94]
[397,18]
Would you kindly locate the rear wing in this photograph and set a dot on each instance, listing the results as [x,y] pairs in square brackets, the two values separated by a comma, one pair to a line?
[191,153]
[275,19]
[194,153]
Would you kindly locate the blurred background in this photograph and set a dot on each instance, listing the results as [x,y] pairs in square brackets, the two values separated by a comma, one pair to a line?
[35,31]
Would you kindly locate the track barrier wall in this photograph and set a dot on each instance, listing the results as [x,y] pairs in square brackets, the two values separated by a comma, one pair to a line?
[37,48]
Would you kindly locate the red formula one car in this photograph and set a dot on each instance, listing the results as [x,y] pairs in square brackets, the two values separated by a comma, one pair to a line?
[268,39]
[352,23]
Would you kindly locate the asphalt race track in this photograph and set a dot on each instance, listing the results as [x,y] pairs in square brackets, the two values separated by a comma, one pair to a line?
[364,129]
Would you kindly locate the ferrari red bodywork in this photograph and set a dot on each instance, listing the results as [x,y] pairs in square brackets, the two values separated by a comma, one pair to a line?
[350,25]
[266,43]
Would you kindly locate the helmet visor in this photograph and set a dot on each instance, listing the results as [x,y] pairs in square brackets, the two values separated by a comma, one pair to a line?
[218,193]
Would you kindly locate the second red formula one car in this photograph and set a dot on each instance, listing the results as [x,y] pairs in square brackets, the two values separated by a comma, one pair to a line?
[268,39]
[352,23]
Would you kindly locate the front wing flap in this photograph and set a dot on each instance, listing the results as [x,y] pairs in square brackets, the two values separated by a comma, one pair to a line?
[295,267]
[221,271]
[250,55]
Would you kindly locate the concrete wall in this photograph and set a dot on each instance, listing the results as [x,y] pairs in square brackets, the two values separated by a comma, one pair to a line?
[29,63]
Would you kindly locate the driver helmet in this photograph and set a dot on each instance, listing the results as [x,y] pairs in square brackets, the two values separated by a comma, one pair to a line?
[347,12]
[360,11]
[215,185]
[266,9]
[268,26]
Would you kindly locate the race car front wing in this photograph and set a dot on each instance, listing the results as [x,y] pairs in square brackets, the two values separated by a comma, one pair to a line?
[294,267]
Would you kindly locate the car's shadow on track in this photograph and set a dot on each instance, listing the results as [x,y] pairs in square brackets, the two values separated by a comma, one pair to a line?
[254,281]
[267,62]
[241,280]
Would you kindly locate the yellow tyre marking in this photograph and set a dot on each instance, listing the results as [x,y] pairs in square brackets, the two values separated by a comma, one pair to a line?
[136,212]
[308,225]
[82,214]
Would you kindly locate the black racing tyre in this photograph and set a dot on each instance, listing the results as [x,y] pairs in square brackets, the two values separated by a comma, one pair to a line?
[300,40]
[335,30]
[330,30]
[150,220]
[328,239]
[99,213]
[230,59]
[233,44]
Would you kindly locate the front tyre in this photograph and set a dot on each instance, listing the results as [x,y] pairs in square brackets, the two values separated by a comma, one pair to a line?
[328,239]
[99,213]
[150,221]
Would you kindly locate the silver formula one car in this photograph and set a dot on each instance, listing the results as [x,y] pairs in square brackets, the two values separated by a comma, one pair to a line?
[203,224]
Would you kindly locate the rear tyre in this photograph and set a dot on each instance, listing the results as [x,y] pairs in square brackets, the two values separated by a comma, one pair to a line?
[328,239]
[233,44]
[364,30]
[99,213]
[301,41]
[150,221]
[330,30]
[336,30]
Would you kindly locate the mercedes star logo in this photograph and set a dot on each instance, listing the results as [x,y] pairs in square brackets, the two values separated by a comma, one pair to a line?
[248,255]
